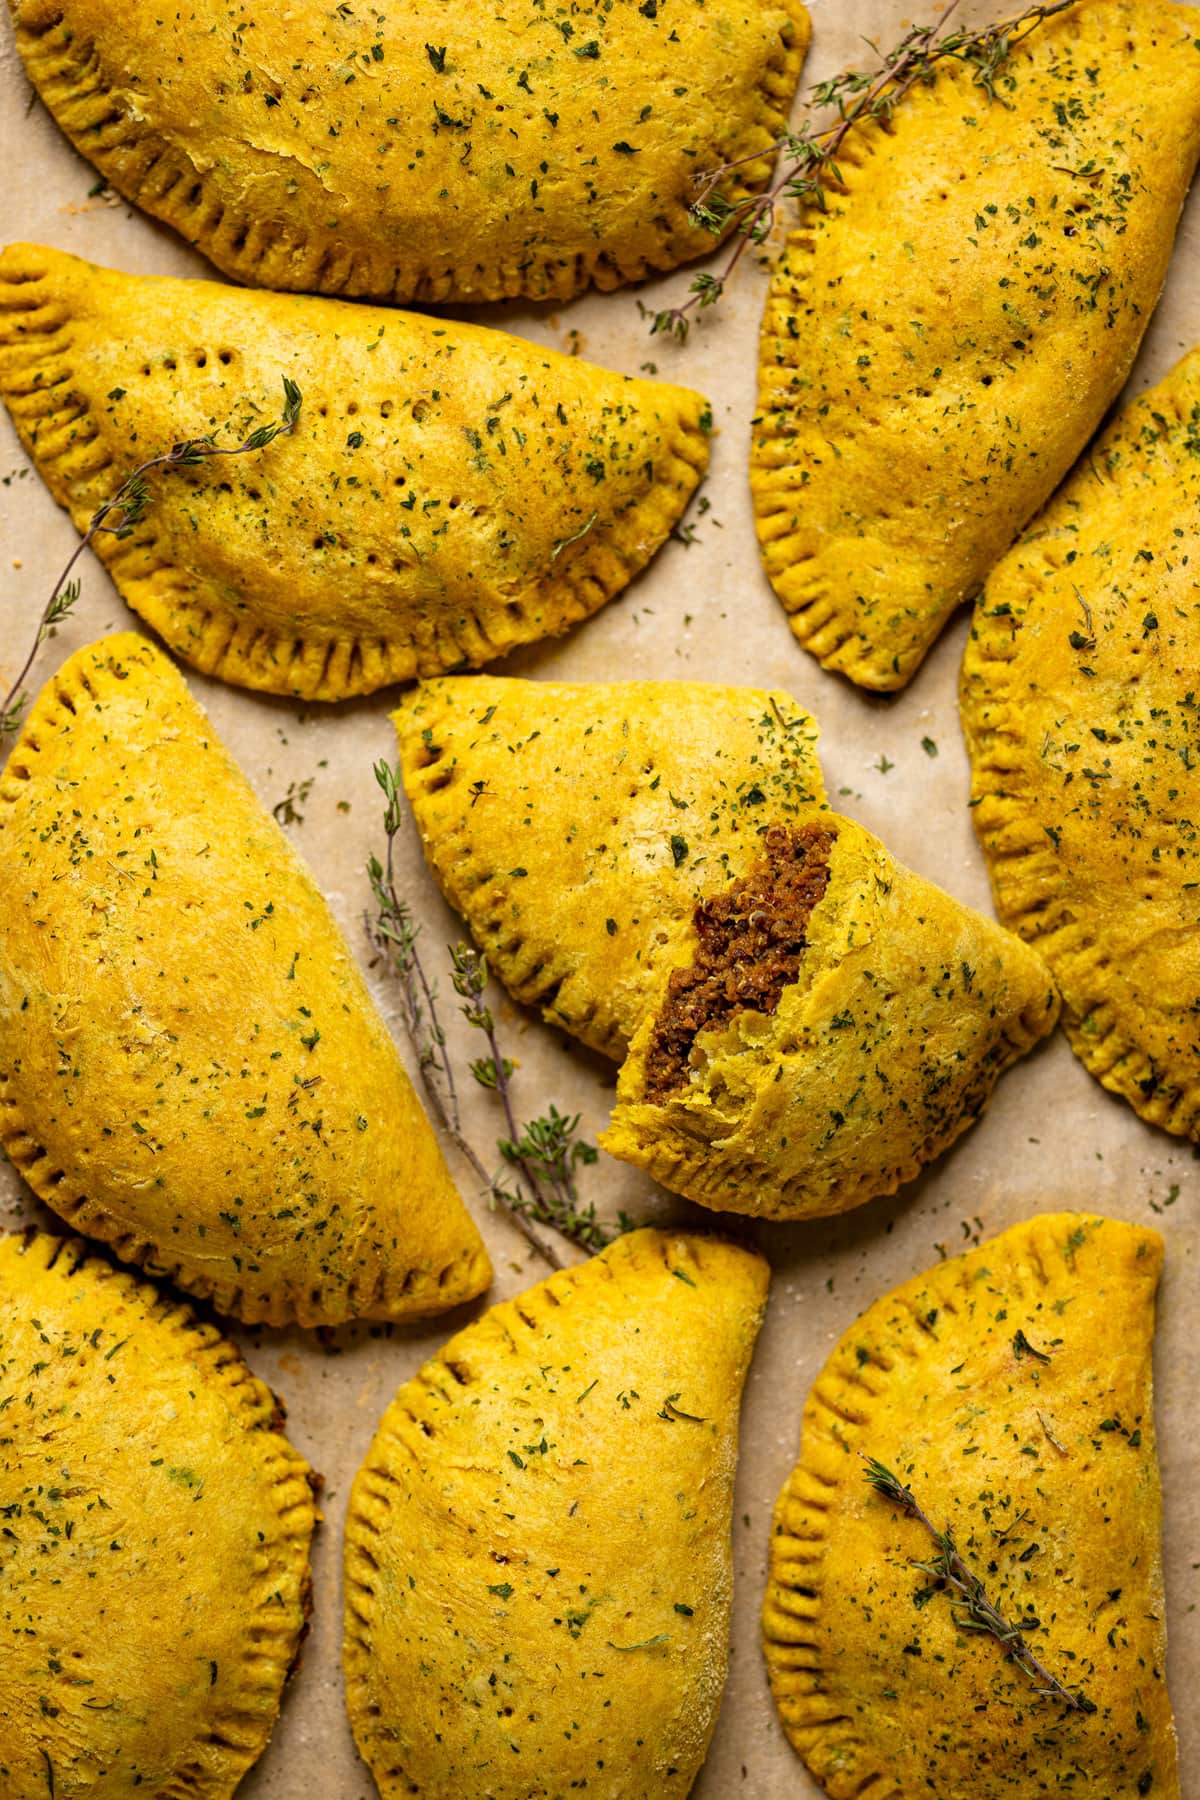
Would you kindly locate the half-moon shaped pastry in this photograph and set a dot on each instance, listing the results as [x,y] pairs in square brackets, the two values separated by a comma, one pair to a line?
[576,827]
[191,1068]
[538,1565]
[450,492]
[941,341]
[1079,702]
[828,1025]
[424,152]
[1010,1393]
[154,1577]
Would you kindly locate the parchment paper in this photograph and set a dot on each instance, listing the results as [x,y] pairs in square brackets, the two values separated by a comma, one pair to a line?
[1051,1138]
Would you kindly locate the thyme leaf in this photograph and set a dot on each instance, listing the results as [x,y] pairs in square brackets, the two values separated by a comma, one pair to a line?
[1023,1347]
[808,158]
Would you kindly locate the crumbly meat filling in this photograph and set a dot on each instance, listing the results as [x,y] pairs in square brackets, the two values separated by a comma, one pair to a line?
[752,942]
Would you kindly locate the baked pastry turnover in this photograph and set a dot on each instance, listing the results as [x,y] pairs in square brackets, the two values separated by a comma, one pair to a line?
[449,493]
[190,1065]
[1079,702]
[804,1023]
[1009,1393]
[941,341]
[538,1564]
[576,827]
[425,152]
[828,1025]
[155,1549]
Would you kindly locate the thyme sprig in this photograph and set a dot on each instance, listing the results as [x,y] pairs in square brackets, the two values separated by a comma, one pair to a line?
[808,158]
[969,1601]
[121,516]
[535,1182]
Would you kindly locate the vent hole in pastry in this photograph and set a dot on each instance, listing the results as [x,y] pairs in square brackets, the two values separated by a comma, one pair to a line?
[429,754]
[400,481]
[385,409]
[751,943]
[398,1775]
[201,360]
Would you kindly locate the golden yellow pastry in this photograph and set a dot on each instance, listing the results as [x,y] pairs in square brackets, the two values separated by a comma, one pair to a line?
[538,1567]
[423,151]
[154,1575]
[576,827]
[449,492]
[1079,702]
[1010,1393]
[828,1025]
[191,1067]
[940,343]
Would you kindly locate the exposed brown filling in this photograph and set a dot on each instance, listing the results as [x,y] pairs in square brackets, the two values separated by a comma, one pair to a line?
[752,942]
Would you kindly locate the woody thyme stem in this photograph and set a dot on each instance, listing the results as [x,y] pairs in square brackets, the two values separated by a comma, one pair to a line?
[808,167]
[972,1607]
[543,1155]
[120,516]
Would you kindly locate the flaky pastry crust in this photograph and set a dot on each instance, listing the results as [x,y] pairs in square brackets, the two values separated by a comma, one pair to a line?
[575,826]
[538,1564]
[449,492]
[940,342]
[154,1578]
[191,1068]
[1011,1391]
[427,152]
[1079,704]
